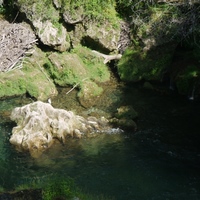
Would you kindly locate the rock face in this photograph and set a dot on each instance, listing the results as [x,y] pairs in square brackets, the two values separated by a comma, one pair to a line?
[62,25]
[39,125]
[52,36]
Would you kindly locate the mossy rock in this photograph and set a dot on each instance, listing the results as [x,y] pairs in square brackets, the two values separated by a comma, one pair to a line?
[35,10]
[136,64]
[45,19]
[31,79]
[126,112]
[72,68]
[66,69]
[81,68]
[96,69]
[89,93]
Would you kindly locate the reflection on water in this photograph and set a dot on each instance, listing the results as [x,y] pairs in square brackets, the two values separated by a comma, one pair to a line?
[160,161]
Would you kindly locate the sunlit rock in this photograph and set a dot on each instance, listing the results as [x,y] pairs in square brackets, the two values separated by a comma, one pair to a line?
[39,125]
[52,35]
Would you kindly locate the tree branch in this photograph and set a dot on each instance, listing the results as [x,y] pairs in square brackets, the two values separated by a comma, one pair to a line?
[108,58]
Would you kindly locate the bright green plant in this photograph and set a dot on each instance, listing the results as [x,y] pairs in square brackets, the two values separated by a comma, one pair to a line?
[92,9]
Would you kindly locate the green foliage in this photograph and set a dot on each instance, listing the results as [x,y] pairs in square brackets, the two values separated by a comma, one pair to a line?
[2,10]
[59,189]
[2,189]
[92,9]
[163,21]
[9,10]
[136,65]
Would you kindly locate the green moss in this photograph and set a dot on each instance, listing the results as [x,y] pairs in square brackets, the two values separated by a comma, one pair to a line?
[96,70]
[136,64]
[10,87]
[33,89]
[72,68]
[93,9]
[43,10]
[51,69]
[30,79]
[59,189]
[66,189]
[65,69]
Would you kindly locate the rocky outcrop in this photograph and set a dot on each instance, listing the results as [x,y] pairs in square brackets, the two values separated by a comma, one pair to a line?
[157,28]
[39,125]
[81,68]
[62,27]
[45,21]
[31,79]
[52,35]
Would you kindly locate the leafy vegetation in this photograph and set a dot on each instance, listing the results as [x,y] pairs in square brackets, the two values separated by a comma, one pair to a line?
[92,9]
[136,65]
[162,20]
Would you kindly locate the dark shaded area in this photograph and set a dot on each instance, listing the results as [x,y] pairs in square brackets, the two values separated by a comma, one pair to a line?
[94,45]
[23,195]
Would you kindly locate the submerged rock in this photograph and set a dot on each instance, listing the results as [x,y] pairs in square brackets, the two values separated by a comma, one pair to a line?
[39,125]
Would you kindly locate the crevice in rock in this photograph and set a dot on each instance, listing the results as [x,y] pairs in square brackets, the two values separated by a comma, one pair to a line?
[94,44]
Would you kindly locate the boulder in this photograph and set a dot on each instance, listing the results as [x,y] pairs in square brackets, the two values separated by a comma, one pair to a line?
[52,35]
[81,68]
[39,125]
[44,18]
[31,79]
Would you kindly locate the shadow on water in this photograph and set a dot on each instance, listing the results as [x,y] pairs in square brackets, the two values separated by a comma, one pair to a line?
[160,161]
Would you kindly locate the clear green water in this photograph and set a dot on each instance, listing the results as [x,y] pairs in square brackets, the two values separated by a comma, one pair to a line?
[160,161]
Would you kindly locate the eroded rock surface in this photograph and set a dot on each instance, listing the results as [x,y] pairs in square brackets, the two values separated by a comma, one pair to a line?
[39,124]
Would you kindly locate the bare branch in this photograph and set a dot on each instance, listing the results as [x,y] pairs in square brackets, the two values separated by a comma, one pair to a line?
[15,42]
[108,58]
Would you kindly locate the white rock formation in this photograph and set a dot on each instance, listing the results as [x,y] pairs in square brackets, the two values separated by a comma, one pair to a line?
[39,124]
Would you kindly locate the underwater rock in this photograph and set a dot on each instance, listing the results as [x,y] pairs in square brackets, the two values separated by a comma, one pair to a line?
[126,112]
[124,118]
[39,125]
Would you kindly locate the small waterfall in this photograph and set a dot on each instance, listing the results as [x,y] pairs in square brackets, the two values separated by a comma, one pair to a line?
[191,97]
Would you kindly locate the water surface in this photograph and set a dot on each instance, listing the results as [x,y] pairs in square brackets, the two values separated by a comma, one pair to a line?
[161,160]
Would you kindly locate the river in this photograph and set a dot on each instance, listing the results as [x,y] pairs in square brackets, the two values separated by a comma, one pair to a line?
[160,161]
